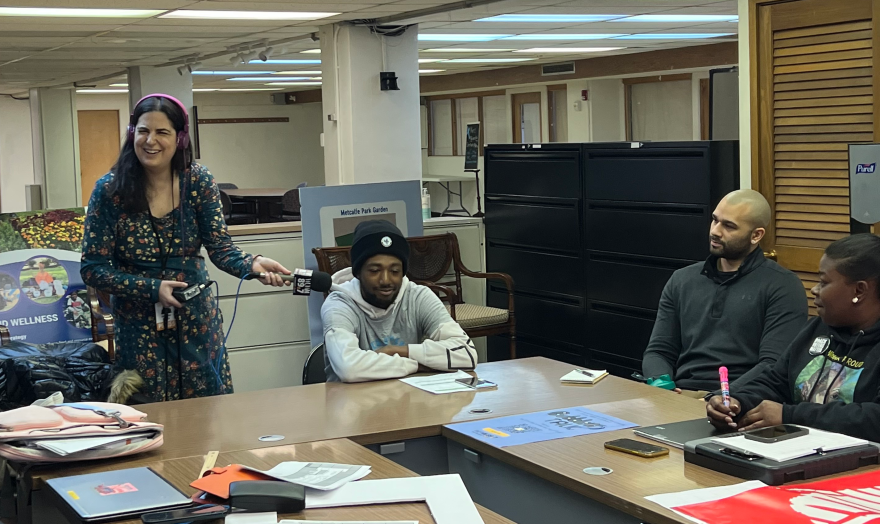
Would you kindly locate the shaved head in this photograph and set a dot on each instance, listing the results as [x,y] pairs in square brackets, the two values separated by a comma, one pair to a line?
[754,208]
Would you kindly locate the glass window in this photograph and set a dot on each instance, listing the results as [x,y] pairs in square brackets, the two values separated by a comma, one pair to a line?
[441,127]
[662,111]
[467,111]
[495,123]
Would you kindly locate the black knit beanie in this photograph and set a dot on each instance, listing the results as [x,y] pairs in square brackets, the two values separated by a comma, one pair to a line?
[377,237]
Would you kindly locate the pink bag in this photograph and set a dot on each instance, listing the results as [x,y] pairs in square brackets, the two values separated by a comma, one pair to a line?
[78,431]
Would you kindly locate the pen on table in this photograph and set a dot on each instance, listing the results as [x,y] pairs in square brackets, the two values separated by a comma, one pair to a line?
[725,386]
[585,372]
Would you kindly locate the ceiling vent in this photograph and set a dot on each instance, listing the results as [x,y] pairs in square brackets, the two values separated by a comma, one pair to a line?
[557,69]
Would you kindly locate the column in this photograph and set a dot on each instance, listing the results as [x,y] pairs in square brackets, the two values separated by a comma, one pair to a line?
[147,80]
[370,135]
[55,140]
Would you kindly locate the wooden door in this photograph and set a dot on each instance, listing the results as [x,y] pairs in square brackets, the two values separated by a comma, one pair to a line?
[812,95]
[98,146]
[526,118]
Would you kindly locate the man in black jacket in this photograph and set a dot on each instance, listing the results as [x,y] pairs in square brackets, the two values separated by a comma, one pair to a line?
[736,309]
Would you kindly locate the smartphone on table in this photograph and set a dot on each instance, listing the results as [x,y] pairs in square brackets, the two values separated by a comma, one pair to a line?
[205,512]
[476,383]
[776,433]
[635,447]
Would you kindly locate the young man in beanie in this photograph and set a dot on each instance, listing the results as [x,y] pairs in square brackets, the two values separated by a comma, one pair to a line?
[378,324]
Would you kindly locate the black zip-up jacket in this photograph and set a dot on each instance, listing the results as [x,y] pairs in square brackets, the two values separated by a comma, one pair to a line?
[837,390]
[708,319]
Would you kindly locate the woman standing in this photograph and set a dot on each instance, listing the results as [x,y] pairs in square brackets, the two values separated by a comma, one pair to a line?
[829,377]
[146,223]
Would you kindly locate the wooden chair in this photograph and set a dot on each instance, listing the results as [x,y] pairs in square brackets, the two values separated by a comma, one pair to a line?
[430,261]
[97,301]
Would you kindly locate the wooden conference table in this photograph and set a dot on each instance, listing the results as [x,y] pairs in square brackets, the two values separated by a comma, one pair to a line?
[263,198]
[391,411]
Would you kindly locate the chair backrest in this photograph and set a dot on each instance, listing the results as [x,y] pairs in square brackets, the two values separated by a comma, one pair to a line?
[313,369]
[332,259]
[302,184]
[290,202]
[226,202]
[226,185]
[430,259]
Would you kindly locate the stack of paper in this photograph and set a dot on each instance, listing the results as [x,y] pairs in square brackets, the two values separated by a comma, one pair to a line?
[439,384]
[815,440]
[316,475]
[68,446]
[584,376]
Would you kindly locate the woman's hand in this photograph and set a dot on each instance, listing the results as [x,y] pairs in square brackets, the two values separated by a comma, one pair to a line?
[271,269]
[165,289]
[767,414]
[722,416]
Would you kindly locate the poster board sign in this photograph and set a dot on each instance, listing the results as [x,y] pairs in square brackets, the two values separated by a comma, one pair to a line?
[331,213]
[42,296]
[472,146]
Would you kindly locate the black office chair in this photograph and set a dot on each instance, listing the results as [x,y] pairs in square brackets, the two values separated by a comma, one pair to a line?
[233,218]
[313,370]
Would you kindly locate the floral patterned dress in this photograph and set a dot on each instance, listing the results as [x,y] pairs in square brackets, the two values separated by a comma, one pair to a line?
[121,256]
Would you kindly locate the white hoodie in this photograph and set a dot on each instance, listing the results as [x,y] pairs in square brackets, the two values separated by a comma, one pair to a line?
[354,331]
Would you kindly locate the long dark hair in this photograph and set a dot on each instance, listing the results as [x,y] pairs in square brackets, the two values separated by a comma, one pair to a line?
[130,180]
[856,257]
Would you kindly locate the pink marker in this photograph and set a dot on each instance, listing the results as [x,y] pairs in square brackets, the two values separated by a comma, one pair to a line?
[725,387]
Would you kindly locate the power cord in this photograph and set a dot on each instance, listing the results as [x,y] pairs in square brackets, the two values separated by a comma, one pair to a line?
[215,366]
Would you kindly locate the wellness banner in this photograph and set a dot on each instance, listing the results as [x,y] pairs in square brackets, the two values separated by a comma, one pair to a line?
[42,296]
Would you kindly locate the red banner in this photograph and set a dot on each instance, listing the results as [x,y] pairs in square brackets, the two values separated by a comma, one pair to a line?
[853,499]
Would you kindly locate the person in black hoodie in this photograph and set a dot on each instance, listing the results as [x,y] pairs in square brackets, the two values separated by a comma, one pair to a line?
[829,376]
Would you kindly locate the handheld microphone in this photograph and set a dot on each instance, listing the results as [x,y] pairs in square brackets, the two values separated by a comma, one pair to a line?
[304,280]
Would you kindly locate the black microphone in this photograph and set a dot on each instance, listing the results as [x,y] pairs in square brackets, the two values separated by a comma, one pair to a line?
[304,280]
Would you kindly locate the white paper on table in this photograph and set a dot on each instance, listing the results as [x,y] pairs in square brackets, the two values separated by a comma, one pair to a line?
[68,446]
[349,522]
[439,384]
[699,496]
[270,517]
[316,475]
[447,498]
[792,448]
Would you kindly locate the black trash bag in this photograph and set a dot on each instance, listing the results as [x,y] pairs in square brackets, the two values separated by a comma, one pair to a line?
[31,372]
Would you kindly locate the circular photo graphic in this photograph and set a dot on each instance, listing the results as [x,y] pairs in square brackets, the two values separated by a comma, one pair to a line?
[9,292]
[43,280]
[77,311]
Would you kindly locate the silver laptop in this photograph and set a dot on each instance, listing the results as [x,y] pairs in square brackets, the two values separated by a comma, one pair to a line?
[677,433]
[110,495]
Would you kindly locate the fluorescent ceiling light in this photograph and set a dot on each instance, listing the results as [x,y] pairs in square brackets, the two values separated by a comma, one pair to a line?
[569,50]
[203,90]
[101,91]
[264,79]
[233,73]
[251,89]
[549,18]
[285,62]
[426,71]
[295,73]
[294,84]
[485,60]
[557,36]
[64,12]
[428,60]
[245,15]
[671,36]
[118,85]
[315,51]
[423,37]
[679,18]
[464,50]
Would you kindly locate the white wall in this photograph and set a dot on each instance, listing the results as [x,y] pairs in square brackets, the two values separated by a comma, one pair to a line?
[16,153]
[261,154]
[745,98]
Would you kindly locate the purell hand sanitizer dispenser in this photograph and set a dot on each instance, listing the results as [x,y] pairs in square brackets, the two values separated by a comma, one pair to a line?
[864,186]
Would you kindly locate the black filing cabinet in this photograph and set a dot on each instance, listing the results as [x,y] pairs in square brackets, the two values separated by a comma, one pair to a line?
[591,233]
